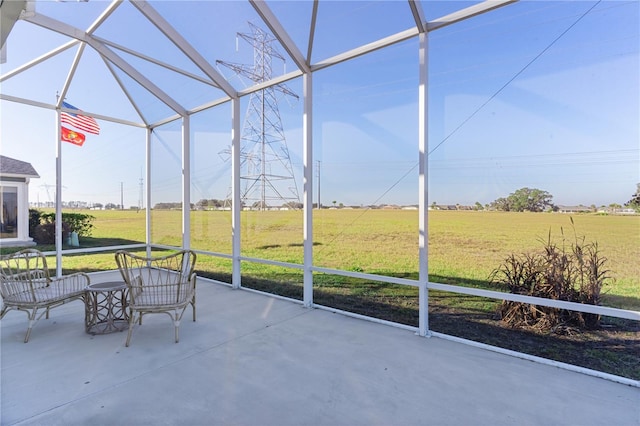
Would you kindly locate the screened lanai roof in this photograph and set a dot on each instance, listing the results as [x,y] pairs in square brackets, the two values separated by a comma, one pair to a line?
[142,63]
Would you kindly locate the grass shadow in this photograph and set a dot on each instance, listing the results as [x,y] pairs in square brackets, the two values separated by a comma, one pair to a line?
[275,246]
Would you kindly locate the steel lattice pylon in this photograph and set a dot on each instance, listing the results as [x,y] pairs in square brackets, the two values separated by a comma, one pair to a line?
[266,173]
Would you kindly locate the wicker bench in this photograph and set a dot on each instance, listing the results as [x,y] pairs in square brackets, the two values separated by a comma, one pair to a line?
[26,285]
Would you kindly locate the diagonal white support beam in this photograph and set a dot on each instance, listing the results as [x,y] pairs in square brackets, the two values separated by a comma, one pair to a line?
[418,15]
[137,76]
[72,71]
[57,26]
[103,16]
[312,29]
[39,59]
[279,32]
[181,43]
[156,62]
[467,13]
[118,80]
[70,31]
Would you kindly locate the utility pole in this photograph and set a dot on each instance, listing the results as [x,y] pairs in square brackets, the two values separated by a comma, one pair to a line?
[121,196]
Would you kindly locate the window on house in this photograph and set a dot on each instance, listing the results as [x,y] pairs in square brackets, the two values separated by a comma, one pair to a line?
[9,214]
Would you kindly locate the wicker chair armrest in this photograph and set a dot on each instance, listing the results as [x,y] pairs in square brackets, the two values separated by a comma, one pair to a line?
[72,283]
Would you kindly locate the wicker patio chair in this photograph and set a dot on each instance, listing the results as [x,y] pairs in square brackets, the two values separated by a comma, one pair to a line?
[165,284]
[26,285]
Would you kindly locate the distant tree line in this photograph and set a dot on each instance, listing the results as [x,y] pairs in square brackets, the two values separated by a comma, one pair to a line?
[212,203]
[537,200]
[170,206]
[524,200]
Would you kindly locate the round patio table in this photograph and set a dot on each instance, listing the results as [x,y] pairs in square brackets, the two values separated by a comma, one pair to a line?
[106,307]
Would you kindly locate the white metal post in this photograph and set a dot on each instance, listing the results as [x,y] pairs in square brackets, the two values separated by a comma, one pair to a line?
[307,135]
[147,166]
[423,184]
[58,197]
[236,206]
[186,182]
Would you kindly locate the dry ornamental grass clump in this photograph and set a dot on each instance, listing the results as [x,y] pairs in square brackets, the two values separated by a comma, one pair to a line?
[575,274]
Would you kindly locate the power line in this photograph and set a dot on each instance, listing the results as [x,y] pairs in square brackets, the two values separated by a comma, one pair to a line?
[516,75]
[473,114]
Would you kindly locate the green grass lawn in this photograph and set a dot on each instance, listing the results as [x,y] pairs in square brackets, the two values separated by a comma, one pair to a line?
[464,248]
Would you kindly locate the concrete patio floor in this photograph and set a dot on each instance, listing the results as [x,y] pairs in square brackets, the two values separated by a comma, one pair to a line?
[251,359]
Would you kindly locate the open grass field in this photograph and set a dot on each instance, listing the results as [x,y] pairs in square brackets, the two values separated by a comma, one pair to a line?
[464,248]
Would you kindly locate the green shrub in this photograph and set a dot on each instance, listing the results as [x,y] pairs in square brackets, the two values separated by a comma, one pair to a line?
[45,233]
[42,226]
[34,220]
[77,222]
[575,274]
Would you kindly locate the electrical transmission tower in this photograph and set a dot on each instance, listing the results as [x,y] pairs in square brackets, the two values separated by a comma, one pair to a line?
[266,173]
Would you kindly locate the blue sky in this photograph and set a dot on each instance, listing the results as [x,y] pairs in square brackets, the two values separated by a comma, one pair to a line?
[539,94]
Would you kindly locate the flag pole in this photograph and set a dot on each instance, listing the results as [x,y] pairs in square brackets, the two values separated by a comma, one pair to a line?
[58,189]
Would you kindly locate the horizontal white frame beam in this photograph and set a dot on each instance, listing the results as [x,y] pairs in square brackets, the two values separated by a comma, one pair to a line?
[367,48]
[209,105]
[541,301]
[491,294]
[96,249]
[15,99]
[578,307]
[467,13]
[274,81]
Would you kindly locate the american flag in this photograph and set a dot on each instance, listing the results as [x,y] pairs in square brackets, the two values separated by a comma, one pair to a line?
[79,121]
